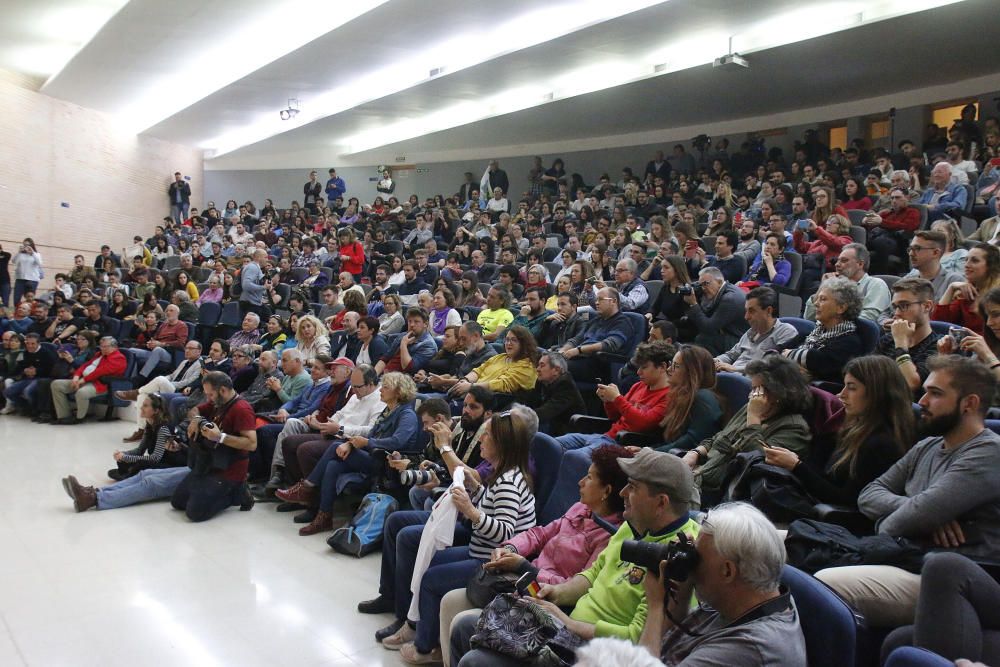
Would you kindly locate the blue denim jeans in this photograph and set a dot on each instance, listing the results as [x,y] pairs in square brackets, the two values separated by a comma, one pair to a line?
[587,441]
[150,484]
[22,286]
[331,467]
[450,569]
[151,359]
[420,499]
[22,393]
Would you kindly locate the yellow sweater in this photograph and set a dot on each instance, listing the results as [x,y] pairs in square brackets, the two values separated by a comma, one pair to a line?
[502,375]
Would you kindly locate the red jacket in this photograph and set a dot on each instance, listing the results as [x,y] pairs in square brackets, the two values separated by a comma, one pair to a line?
[356,263]
[827,244]
[960,312]
[639,410]
[111,365]
[906,220]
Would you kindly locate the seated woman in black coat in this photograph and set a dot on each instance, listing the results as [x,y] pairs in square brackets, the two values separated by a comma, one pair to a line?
[836,338]
[878,428]
[670,303]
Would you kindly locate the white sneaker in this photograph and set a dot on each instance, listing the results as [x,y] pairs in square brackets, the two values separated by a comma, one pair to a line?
[7,409]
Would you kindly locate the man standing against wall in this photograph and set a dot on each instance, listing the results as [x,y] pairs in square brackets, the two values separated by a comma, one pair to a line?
[180,198]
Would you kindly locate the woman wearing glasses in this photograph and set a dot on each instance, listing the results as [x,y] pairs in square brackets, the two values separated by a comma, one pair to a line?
[497,507]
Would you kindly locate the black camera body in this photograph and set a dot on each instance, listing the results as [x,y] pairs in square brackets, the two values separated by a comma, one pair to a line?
[691,288]
[681,556]
[416,476]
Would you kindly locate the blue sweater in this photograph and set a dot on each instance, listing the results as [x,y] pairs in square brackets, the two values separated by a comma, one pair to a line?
[308,401]
[396,431]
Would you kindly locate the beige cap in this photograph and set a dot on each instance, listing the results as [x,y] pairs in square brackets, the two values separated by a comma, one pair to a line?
[661,469]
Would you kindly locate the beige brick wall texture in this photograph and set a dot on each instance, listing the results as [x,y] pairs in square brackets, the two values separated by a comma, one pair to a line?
[114,185]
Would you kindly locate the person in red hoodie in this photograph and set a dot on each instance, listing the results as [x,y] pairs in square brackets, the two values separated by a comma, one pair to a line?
[86,382]
[641,409]
[352,253]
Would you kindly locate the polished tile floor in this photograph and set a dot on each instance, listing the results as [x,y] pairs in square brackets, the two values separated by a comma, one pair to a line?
[142,586]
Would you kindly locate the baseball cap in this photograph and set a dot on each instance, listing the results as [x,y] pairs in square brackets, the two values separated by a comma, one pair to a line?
[661,469]
[342,361]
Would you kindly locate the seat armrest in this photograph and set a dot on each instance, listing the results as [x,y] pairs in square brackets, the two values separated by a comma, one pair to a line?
[588,424]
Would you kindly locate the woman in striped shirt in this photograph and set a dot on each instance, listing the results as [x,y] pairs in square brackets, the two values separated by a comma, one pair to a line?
[497,509]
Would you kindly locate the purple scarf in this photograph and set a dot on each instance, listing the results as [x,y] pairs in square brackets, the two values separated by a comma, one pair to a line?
[440,320]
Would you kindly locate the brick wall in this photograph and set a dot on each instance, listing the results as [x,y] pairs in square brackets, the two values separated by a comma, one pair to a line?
[113,185]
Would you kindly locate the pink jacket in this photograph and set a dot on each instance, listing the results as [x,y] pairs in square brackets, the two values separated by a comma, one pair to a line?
[565,547]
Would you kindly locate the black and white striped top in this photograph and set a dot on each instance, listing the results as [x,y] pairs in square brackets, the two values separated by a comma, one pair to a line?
[508,508]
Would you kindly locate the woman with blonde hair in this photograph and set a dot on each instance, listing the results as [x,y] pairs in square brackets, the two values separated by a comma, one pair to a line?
[955,254]
[311,338]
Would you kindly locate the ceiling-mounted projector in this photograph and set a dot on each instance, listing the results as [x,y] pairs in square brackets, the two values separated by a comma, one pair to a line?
[292,111]
[731,60]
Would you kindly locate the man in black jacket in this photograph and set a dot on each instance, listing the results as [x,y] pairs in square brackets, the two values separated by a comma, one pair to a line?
[498,177]
[555,397]
[102,325]
[563,324]
[180,198]
[35,364]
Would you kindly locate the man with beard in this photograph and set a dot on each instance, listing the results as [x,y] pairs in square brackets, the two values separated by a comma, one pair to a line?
[221,436]
[748,246]
[449,448]
[944,494]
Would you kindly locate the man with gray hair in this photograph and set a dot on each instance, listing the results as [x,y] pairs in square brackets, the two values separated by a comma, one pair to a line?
[187,374]
[716,314]
[852,263]
[248,334]
[555,397]
[86,382]
[632,291]
[943,198]
[744,616]
[252,284]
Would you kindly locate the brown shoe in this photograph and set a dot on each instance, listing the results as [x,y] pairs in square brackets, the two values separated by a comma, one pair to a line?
[129,395]
[300,493]
[321,524]
[84,497]
[135,437]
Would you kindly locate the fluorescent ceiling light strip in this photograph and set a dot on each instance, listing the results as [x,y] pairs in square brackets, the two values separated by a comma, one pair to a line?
[236,53]
[77,26]
[453,55]
[694,50]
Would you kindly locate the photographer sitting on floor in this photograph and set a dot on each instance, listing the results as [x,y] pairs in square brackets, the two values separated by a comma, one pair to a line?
[221,433]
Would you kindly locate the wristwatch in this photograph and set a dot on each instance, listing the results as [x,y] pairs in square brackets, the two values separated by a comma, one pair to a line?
[899,351]
[222,438]
[446,449]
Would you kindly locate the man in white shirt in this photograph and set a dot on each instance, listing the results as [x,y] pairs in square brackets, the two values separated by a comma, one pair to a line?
[962,170]
[305,444]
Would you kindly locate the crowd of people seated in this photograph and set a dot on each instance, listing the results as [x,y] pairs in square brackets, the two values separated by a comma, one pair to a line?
[822,312]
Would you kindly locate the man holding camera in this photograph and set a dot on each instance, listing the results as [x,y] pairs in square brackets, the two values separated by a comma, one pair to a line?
[744,617]
[716,313]
[609,597]
[221,435]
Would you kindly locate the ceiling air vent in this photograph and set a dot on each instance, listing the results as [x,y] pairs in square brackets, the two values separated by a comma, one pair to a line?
[437,71]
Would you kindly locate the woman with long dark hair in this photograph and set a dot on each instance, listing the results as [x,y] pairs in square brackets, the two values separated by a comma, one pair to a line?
[879,426]
[693,409]
[156,449]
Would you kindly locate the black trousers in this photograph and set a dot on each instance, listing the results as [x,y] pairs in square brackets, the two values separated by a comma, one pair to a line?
[201,497]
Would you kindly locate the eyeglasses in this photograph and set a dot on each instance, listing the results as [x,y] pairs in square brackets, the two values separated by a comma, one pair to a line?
[903,305]
[605,298]
[674,365]
[918,248]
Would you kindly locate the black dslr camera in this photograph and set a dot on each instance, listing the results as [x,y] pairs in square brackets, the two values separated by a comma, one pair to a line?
[691,288]
[416,476]
[681,556]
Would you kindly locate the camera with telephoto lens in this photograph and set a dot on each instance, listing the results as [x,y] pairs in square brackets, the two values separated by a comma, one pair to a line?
[681,556]
[417,476]
[690,288]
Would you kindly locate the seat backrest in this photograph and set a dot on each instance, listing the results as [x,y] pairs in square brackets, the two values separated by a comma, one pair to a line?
[859,233]
[209,313]
[231,315]
[939,327]
[735,388]
[554,268]
[795,259]
[993,425]
[653,287]
[888,280]
[172,262]
[547,455]
[299,274]
[922,210]
[856,215]
[829,626]
[870,334]
[970,198]
[803,326]
[638,334]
